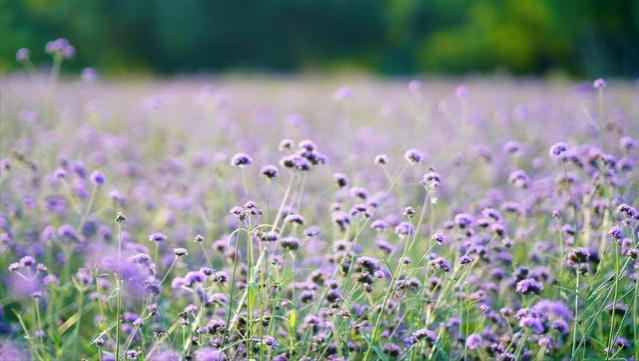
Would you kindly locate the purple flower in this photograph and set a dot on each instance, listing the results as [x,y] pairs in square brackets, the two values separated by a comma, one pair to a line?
[290,243]
[528,286]
[22,54]
[432,179]
[404,229]
[165,355]
[532,323]
[157,237]
[60,47]
[463,220]
[414,85]
[209,354]
[616,232]
[473,341]
[89,75]
[343,93]
[461,91]
[269,171]
[599,83]
[67,231]
[413,156]
[381,159]
[241,160]
[557,150]
[97,178]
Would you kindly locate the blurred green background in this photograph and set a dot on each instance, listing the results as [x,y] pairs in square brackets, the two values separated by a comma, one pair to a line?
[583,38]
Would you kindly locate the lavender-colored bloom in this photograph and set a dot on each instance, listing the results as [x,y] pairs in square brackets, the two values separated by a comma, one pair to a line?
[269,171]
[194,277]
[22,54]
[60,47]
[404,229]
[286,144]
[379,224]
[599,83]
[616,232]
[463,220]
[438,237]
[157,237]
[627,211]
[97,178]
[554,309]
[532,323]
[381,159]
[67,231]
[519,178]
[165,355]
[89,75]
[413,156]
[461,91]
[290,243]
[557,150]
[241,160]
[343,93]
[528,286]
[179,252]
[473,341]
[209,354]
[307,145]
[294,219]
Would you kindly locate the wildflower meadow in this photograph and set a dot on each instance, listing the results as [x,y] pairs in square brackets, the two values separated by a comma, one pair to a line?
[316,218]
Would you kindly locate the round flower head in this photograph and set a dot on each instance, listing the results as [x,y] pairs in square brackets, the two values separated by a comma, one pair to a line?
[616,232]
[89,75]
[241,160]
[461,91]
[307,145]
[413,156]
[627,211]
[381,159]
[120,217]
[557,150]
[97,178]
[599,83]
[340,180]
[414,86]
[22,54]
[519,179]
[209,354]
[286,144]
[528,286]
[473,341]
[270,236]
[432,179]
[269,171]
[157,237]
[404,229]
[60,47]
[5,164]
[627,143]
[179,252]
[343,93]
[294,219]
[290,243]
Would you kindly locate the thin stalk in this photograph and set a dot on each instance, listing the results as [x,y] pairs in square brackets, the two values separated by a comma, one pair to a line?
[574,332]
[614,301]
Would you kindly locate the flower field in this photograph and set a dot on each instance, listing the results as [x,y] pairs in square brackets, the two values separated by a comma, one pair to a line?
[302,218]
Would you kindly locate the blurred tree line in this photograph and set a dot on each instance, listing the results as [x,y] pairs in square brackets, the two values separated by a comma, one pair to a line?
[580,37]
